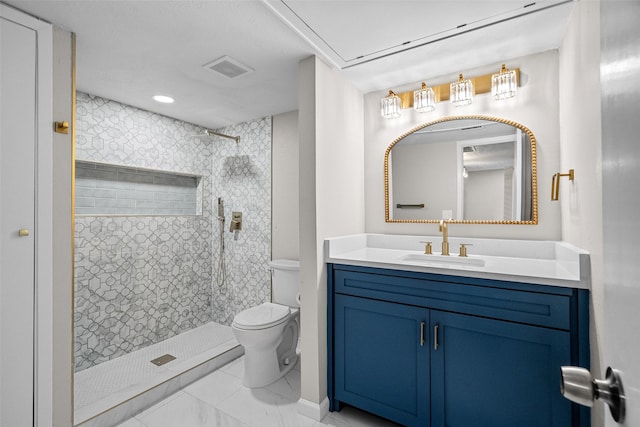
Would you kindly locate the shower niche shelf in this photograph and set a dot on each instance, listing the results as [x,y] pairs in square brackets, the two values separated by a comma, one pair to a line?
[109,189]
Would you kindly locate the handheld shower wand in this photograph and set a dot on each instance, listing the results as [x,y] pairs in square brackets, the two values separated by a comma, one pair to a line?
[220,209]
[221,273]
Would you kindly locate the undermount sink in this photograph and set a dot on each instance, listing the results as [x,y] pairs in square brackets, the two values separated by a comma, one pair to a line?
[439,259]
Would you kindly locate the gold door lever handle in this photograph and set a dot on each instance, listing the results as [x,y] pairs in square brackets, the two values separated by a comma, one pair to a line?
[23,232]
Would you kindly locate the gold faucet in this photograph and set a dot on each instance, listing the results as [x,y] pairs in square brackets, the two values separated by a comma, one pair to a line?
[445,237]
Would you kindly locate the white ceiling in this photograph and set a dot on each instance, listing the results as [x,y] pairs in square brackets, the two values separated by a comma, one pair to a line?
[129,51]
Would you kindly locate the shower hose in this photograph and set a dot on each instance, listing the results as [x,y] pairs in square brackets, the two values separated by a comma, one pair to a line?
[221,273]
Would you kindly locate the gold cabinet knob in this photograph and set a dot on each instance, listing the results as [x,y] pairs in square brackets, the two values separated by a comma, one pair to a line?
[23,232]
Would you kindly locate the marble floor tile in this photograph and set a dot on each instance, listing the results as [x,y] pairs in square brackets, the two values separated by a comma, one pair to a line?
[352,417]
[220,399]
[263,408]
[215,387]
[187,411]
[287,386]
[131,423]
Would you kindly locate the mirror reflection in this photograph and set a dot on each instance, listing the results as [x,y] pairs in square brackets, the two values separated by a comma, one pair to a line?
[467,169]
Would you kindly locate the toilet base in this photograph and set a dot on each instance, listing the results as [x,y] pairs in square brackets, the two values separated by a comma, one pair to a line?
[261,374]
[264,365]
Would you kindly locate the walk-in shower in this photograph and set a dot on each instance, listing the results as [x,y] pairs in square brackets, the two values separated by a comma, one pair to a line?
[157,275]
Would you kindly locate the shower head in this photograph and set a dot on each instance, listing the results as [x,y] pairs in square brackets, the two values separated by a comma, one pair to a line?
[210,134]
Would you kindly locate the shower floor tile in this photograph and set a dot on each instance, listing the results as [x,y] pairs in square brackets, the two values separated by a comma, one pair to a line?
[109,384]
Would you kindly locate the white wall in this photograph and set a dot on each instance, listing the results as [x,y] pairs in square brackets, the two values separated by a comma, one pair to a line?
[331,204]
[535,106]
[63,98]
[285,201]
[581,149]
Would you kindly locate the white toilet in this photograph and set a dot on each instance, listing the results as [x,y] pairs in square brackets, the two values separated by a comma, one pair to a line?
[269,332]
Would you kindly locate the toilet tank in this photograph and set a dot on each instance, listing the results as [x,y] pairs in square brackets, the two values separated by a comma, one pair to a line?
[285,280]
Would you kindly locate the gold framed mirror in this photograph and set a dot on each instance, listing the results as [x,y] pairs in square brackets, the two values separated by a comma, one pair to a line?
[465,169]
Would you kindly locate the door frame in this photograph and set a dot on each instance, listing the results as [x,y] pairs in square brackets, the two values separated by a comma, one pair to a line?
[43,304]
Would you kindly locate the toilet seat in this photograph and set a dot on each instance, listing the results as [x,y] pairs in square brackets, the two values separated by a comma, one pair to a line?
[263,316]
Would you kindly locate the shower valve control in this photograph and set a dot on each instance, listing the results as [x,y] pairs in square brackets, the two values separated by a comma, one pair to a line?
[236,221]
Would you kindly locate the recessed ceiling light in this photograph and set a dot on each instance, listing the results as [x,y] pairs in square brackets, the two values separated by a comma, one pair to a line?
[164,99]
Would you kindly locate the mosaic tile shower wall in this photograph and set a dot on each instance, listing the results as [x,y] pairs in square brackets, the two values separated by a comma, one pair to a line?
[142,279]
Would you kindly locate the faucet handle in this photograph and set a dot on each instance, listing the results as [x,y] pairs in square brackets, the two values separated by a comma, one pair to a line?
[463,248]
[427,248]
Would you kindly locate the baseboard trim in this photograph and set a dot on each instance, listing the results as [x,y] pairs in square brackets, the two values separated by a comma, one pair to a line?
[315,411]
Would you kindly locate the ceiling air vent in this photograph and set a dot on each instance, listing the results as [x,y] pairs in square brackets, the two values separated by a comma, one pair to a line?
[228,67]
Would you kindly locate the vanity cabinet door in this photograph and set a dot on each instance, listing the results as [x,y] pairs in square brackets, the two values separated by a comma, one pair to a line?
[381,358]
[487,372]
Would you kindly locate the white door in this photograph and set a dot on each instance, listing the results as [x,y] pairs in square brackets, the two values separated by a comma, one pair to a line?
[620,71]
[17,204]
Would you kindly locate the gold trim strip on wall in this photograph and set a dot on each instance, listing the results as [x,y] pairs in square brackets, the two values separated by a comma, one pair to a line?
[73,217]
[481,84]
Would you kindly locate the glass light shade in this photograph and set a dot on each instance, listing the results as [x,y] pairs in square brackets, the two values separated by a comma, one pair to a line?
[390,106]
[424,100]
[504,84]
[461,92]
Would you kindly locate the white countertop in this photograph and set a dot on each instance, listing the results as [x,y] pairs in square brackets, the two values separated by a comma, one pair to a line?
[526,261]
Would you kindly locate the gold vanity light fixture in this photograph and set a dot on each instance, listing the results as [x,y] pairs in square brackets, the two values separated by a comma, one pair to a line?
[481,84]
[461,92]
[504,84]
[390,106]
[424,99]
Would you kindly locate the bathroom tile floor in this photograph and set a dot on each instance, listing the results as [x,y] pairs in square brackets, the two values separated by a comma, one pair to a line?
[219,399]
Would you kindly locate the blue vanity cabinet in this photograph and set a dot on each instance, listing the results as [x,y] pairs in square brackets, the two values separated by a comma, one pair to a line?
[487,372]
[382,358]
[445,351]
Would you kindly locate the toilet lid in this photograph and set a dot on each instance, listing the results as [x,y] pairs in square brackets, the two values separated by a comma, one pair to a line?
[262,316]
